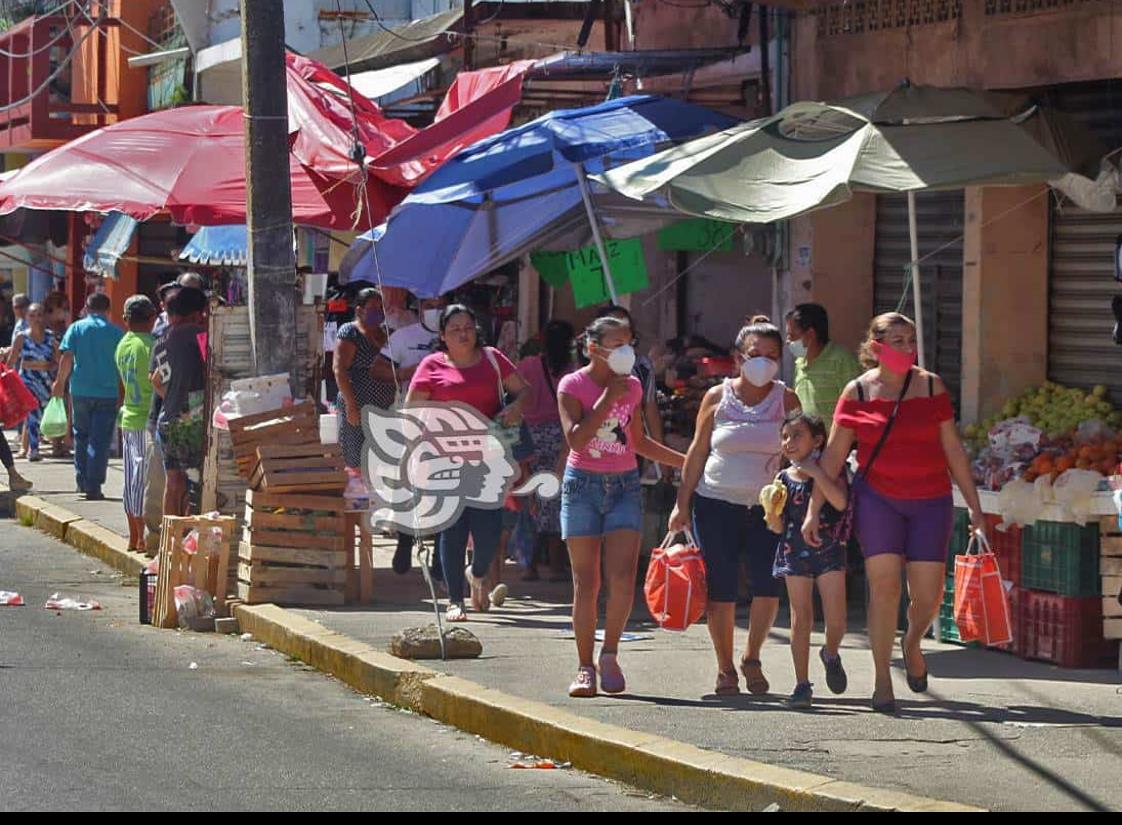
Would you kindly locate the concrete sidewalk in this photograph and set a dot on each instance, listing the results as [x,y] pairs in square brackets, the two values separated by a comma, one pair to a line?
[993,731]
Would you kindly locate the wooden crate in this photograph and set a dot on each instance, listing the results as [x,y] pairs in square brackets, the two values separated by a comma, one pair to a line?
[1110,567]
[292,426]
[177,566]
[295,550]
[299,468]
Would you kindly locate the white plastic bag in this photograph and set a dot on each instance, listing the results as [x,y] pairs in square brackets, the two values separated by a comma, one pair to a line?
[193,607]
[1017,503]
[1075,491]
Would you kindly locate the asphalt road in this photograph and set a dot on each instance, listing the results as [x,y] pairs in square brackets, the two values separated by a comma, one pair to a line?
[100,713]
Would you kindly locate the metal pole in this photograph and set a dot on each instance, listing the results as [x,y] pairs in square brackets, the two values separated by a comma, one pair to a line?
[586,196]
[272,262]
[917,290]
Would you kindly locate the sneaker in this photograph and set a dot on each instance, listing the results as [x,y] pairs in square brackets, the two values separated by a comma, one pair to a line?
[499,594]
[611,677]
[95,495]
[584,686]
[836,679]
[402,557]
[34,456]
[802,698]
[18,483]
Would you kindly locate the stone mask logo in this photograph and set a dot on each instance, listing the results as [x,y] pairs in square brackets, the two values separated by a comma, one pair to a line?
[425,464]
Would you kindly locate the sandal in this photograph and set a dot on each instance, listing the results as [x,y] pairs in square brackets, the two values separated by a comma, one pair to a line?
[584,686]
[455,613]
[728,684]
[753,672]
[916,684]
[480,601]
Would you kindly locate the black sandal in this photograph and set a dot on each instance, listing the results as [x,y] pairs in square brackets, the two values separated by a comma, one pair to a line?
[887,707]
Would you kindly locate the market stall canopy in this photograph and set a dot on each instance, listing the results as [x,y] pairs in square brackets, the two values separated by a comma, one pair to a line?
[217,246]
[190,162]
[418,39]
[519,191]
[110,242]
[815,155]
[382,82]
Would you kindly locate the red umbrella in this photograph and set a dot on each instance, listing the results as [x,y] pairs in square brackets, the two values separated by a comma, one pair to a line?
[187,162]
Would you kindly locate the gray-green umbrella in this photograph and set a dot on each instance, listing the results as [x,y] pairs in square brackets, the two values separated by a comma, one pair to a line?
[813,155]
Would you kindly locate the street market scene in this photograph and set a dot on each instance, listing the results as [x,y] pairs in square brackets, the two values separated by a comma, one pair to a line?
[622,405]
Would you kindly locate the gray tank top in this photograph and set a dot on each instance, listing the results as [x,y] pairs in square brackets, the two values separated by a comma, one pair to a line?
[744,453]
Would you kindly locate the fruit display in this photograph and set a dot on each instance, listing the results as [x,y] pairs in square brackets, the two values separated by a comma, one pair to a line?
[1046,432]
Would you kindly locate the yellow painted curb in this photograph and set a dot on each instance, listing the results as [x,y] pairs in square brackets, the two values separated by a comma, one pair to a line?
[27,507]
[355,663]
[54,520]
[92,539]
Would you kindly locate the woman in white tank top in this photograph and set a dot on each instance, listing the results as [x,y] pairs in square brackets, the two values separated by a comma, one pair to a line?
[736,452]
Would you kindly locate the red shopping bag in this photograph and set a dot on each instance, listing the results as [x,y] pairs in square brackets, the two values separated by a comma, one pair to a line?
[981,604]
[675,589]
[16,400]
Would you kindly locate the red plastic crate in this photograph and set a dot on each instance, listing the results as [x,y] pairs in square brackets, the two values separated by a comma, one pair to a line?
[1008,546]
[1064,630]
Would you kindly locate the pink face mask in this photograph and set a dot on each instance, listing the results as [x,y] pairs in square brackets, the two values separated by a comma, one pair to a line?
[892,359]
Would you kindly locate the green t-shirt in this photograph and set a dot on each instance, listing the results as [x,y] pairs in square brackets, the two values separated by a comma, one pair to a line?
[134,354]
[821,384]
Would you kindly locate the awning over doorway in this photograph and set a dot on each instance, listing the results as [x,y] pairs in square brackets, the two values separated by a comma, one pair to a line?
[109,243]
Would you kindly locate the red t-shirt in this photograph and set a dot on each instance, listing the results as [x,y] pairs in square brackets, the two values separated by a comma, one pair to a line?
[911,464]
[477,386]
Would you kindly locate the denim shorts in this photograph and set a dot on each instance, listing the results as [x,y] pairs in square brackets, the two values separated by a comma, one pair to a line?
[731,535]
[595,504]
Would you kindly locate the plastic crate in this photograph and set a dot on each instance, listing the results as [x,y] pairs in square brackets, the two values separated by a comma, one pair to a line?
[1008,546]
[1064,630]
[1061,558]
[960,536]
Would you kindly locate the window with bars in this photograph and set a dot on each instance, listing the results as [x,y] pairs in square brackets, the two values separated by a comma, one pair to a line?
[997,8]
[860,16]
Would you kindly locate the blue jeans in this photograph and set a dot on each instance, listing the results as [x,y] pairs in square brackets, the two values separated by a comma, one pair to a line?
[94,419]
[485,527]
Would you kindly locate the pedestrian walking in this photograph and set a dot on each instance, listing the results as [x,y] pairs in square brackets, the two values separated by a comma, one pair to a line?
[133,357]
[356,351]
[88,368]
[466,371]
[803,566]
[736,452]
[901,420]
[601,518]
[822,368]
[35,354]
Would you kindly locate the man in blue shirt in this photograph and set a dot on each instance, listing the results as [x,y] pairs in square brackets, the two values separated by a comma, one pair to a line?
[88,363]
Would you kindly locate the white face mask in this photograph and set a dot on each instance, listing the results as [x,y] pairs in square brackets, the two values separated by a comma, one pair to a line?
[797,347]
[622,360]
[431,319]
[760,370]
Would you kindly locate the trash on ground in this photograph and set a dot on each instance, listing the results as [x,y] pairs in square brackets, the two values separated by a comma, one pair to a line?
[534,763]
[10,598]
[193,666]
[56,602]
[247,637]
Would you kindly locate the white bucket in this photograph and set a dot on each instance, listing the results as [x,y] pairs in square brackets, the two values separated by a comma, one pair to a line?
[329,428]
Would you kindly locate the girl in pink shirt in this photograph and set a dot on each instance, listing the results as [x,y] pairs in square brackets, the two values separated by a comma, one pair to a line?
[600,506]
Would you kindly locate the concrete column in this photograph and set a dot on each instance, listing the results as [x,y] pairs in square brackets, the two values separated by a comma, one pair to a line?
[1004,296]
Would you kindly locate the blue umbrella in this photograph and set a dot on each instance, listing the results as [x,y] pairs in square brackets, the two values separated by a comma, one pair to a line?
[521,190]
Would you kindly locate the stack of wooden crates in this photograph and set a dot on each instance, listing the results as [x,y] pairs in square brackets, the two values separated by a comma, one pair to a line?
[297,544]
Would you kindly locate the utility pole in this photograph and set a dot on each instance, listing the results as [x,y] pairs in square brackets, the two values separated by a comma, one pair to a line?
[272,263]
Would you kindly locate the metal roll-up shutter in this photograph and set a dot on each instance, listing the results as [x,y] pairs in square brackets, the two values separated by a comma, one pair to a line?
[1081,352]
[940,217]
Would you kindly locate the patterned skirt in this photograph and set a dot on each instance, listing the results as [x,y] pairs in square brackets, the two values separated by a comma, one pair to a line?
[548,442]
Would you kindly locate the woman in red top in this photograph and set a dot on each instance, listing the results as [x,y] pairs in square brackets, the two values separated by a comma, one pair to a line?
[466,371]
[903,508]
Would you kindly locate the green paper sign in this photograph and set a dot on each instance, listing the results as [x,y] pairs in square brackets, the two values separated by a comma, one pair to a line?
[551,266]
[629,271]
[696,235]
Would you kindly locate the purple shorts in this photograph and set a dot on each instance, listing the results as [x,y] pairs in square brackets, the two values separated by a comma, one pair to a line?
[917,529]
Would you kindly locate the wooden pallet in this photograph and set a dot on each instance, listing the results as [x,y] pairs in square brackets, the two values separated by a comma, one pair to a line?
[295,425]
[295,550]
[177,566]
[299,468]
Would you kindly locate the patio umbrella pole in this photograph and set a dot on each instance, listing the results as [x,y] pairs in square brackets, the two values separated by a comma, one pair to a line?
[917,291]
[586,196]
